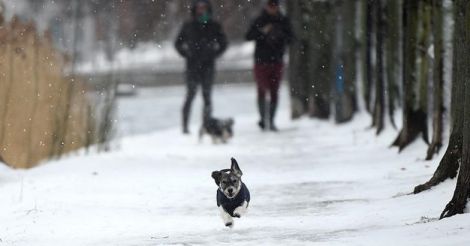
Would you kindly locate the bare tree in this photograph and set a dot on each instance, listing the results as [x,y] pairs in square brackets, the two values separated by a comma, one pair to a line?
[438,79]
[345,50]
[369,66]
[462,34]
[449,165]
[379,106]
[392,44]
[311,58]
[414,112]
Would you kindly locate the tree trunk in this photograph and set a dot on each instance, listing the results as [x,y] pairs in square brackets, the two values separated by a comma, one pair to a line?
[423,61]
[449,165]
[462,190]
[438,79]
[370,20]
[310,73]
[393,56]
[414,115]
[379,107]
[345,53]
[320,36]
[298,59]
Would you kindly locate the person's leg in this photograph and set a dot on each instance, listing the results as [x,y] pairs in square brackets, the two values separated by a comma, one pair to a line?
[260,77]
[207,82]
[191,90]
[276,71]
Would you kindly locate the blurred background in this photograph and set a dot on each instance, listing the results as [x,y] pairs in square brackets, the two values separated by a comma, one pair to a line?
[131,35]
[77,74]
[97,51]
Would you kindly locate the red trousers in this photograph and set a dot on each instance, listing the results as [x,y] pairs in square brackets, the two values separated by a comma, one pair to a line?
[268,78]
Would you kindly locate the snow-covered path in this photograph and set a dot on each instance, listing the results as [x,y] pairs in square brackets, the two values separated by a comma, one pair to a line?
[312,184]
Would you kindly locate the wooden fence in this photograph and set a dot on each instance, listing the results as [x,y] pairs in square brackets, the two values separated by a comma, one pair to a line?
[43,113]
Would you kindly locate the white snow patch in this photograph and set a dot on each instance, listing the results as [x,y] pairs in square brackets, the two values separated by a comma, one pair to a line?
[163,57]
[312,183]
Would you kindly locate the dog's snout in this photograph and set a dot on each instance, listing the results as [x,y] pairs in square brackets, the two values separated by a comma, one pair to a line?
[230,190]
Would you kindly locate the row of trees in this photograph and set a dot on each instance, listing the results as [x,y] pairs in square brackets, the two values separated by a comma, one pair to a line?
[137,21]
[390,55]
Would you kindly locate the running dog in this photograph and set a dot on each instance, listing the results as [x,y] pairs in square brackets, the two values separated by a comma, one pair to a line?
[233,197]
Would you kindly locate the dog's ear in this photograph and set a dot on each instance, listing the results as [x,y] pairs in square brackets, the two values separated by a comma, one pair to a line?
[216,175]
[235,168]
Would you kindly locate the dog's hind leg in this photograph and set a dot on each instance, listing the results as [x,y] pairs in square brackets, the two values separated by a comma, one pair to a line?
[242,210]
[228,220]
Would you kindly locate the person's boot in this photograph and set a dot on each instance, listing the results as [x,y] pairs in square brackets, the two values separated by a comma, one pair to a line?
[262,113]
[207,112]
[272,115]
[185,121]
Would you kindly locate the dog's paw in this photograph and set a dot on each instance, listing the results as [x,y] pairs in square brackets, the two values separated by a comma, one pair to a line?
[229,224]
[240,211]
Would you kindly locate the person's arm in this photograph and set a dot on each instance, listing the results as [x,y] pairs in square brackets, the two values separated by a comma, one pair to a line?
[289,31]
[257,31]
[222,42]
[181,42]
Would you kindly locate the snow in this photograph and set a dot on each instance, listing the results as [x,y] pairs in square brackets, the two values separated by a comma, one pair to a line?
[314,183]
[163,57]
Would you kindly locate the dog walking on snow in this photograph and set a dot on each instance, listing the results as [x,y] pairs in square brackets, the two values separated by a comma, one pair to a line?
[233,197]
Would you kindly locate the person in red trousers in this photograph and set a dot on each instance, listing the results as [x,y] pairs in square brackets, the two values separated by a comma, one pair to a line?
[272,32]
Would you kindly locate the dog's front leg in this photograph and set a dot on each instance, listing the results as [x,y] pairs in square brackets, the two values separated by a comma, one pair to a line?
[228,220]
[242,210]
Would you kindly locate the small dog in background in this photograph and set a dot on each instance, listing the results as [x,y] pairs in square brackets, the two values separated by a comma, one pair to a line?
[233,197]
[219,129]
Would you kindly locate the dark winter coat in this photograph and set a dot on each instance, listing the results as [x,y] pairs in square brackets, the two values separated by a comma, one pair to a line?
[270,47]
[201,43]
[229,205]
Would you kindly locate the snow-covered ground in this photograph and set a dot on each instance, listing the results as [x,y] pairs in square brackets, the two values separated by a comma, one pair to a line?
[312,184]
[163,57]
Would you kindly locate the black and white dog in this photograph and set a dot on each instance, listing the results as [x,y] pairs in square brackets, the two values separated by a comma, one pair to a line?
[219,129]
[233,197]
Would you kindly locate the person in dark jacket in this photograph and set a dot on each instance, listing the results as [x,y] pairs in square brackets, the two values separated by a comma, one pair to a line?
[272,32]
[200,41]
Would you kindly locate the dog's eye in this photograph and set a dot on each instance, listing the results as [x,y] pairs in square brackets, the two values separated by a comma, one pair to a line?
[224,182]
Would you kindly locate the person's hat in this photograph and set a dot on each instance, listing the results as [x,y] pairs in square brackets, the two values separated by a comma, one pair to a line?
[274,2]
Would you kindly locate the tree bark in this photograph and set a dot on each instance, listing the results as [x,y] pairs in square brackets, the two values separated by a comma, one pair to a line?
[414,115]
[438,79]
[423,57]
[345,53]
[311,58]
[379,107]
[462,191]
[321,39]
[449,165]
[369,66]
[393,56]
[298,59]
